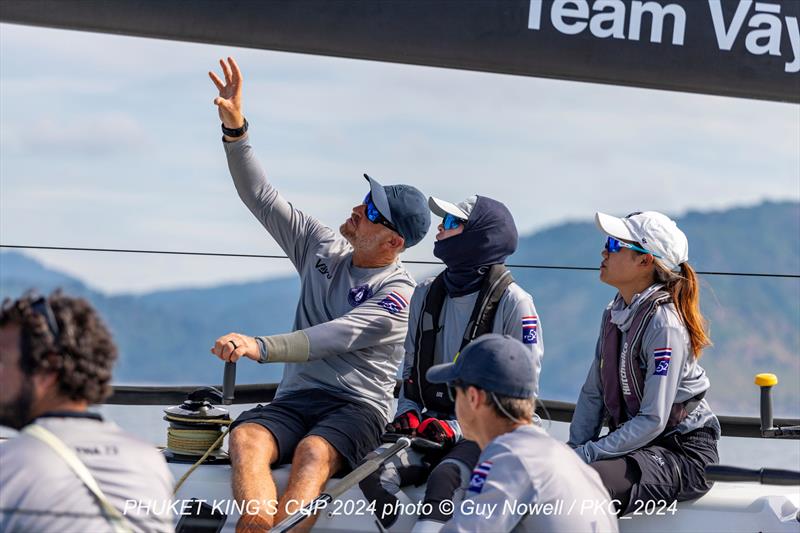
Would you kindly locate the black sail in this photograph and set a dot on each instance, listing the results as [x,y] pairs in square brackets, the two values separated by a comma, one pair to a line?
[739,48]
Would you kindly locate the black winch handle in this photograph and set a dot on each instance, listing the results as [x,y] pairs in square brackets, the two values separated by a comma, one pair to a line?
[228,383]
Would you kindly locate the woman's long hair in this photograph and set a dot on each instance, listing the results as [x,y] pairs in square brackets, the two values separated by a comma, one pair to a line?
[685,292]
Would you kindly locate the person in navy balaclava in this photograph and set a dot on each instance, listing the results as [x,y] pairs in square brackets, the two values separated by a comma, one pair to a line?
[475,294]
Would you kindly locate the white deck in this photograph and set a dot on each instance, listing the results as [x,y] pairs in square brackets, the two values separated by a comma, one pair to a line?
[729,507]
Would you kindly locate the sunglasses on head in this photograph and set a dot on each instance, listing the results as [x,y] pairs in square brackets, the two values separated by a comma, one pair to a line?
[615,245]
[451,222]
[375,216]
[42,308]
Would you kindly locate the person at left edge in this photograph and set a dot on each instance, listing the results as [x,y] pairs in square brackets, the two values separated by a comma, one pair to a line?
[344,353]
[69,469]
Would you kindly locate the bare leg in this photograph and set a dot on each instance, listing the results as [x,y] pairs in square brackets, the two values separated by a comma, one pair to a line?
[313,464]
[253,449]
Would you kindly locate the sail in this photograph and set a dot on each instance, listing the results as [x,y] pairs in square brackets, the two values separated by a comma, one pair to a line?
[737,48]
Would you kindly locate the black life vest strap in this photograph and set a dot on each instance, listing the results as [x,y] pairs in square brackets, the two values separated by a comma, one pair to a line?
[417,388]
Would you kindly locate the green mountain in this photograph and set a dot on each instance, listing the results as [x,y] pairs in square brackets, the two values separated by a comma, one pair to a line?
[164,336]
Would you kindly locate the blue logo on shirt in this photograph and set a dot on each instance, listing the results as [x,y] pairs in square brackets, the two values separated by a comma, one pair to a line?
[359,295]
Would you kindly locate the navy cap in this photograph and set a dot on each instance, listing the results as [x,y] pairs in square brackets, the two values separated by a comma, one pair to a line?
[405,207]
[494,363]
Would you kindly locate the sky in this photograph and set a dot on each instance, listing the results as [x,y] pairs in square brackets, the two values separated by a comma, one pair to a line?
[113,142]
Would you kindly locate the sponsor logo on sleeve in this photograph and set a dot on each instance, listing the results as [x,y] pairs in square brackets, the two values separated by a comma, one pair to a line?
[359,295]
[478,479]
[529,327]
[662,357]
[394,302]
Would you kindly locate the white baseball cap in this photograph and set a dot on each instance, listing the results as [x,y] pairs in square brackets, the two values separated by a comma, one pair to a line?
[652,230]
[443,208]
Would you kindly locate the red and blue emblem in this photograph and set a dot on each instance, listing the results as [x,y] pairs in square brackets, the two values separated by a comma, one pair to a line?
[478,479]
[662,357]
[394,302]
[529,326]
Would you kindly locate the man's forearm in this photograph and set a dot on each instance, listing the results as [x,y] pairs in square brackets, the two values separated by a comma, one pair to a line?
[286,348]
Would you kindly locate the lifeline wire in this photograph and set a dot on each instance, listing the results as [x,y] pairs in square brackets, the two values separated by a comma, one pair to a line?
[410,262]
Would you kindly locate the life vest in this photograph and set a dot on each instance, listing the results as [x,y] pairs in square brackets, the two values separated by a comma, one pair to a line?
[434,396]
[623,374]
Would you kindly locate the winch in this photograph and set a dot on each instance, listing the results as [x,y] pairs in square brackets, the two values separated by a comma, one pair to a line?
[196,428]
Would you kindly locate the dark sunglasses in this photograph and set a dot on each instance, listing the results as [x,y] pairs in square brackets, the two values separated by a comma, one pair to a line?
[42,308]
[451,222]
[615,245]
[452,386]
[375,216]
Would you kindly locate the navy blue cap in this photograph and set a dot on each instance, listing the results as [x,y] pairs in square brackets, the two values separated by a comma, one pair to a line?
[405,207]
[492,362]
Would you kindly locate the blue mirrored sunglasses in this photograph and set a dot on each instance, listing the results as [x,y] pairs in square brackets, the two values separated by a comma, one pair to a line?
[615,245]
[451,222]
[375,216]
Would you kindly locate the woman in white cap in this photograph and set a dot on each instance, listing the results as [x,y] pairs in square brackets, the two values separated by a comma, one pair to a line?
[644,378]
[474,295]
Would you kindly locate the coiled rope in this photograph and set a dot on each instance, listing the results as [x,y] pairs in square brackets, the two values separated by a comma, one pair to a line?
[203,440]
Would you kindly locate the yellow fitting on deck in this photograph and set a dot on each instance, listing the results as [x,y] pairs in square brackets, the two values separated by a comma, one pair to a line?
[766,380]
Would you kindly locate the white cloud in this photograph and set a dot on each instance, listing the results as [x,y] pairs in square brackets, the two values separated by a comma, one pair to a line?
[114,141]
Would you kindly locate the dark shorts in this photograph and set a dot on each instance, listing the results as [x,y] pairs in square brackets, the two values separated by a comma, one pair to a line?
[670,468]
[353,429]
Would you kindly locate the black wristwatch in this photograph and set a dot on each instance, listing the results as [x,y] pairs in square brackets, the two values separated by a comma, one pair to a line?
[238,132]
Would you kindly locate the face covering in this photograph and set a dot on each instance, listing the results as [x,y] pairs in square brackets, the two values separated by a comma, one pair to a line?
[489,237]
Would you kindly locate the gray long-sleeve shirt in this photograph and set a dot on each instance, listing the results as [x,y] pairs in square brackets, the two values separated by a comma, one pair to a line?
[40,492]
[681,380]
[350,322]
[527,481]
[516,316]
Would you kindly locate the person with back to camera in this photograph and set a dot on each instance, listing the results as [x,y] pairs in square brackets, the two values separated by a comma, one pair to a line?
[644,377]
[69,469]
[525,480]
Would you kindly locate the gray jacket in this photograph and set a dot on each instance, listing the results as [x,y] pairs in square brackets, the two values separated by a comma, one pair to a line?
[682,380]
[40,492]
[527,481]
[350,322]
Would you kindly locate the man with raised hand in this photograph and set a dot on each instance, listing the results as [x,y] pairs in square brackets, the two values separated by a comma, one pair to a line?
[342,358]
[525,480]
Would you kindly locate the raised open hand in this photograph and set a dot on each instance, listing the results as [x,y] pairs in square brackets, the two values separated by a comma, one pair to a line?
[229,101]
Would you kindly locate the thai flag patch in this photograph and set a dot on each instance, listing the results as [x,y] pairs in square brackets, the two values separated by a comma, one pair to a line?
[662,358]
[529,326]
[394,302]
[478,479]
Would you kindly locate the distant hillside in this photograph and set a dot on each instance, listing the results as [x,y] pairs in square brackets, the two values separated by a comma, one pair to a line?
[755,322]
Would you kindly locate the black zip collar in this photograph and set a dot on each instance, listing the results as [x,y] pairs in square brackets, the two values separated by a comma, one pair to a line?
[70,414]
